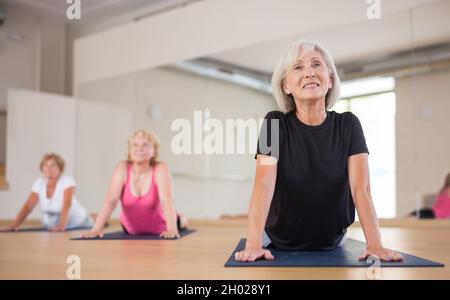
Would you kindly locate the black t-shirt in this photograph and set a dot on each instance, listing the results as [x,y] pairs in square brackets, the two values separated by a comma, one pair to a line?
[312,205]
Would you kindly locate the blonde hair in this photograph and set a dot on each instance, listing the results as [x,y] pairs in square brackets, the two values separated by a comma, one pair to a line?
[446,184]
[56,157]
[286,102]
[151,138]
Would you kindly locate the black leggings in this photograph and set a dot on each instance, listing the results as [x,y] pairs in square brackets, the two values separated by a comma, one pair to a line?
[424,213]
[178,225]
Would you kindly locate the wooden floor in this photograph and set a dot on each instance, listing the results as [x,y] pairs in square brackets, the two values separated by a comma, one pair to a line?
[203,254]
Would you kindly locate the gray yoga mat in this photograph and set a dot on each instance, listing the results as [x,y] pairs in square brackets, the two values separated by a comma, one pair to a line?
[44,229]
[121,235]
[346,256]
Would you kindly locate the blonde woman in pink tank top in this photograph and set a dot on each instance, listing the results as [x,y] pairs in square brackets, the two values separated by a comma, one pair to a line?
[144,187]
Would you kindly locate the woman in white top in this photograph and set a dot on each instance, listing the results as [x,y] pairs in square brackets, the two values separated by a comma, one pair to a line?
[56,195]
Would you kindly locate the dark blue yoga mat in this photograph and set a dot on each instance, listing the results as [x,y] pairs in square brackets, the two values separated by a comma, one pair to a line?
[120,235]
[346,256]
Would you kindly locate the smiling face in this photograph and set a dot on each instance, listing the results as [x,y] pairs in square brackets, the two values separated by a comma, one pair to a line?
[308,78]
[140,148]
[50,169]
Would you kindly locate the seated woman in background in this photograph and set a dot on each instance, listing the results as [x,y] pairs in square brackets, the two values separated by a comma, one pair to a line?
[441,208]
[56,194]
[144,187]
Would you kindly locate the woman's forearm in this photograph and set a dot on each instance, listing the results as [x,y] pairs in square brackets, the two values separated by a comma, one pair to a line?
[63,218]
[26,209]
[104,215]
[22,215]
[368,219]
[259,209]
[170,214]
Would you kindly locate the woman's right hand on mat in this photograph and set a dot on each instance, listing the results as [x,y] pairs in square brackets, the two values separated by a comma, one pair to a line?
[252,254]
[9,228]
[93,234]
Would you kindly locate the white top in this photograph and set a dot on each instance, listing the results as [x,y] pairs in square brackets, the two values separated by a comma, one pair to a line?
[51,208]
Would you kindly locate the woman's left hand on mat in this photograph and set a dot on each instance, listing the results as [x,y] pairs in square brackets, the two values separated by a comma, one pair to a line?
[382,253]
[170,234]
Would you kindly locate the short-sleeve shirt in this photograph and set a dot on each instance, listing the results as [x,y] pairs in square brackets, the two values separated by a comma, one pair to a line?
[312,205]
[51,208]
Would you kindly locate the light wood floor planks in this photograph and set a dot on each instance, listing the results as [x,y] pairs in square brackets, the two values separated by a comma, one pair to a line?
[202,255]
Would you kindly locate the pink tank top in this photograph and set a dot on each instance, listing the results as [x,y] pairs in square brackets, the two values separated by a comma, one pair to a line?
[441,208]
[142,214]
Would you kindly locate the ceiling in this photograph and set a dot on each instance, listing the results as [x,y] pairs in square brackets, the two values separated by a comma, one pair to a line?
[90,9]
[426,23]
[421,26]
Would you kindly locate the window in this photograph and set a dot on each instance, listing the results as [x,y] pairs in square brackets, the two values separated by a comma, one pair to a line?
[375,108]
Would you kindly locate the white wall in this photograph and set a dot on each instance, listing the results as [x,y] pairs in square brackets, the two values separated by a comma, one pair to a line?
[88,135]
[37,124]
[37,63]
[2,138]
[422,129]
[100,143]
[178,94]
[206,28]
[19,62]
[52,55]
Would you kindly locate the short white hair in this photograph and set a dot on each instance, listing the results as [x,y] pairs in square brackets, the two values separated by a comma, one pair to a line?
[286,102]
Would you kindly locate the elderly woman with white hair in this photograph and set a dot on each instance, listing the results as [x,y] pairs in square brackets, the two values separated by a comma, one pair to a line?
[312,165]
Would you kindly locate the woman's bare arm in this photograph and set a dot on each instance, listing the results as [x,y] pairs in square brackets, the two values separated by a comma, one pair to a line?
[111,199]
[263,189]
[29,205]
[358,172]
[164,182]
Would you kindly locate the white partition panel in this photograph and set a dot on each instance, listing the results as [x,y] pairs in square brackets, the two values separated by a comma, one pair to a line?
[37,123]
[90,136]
